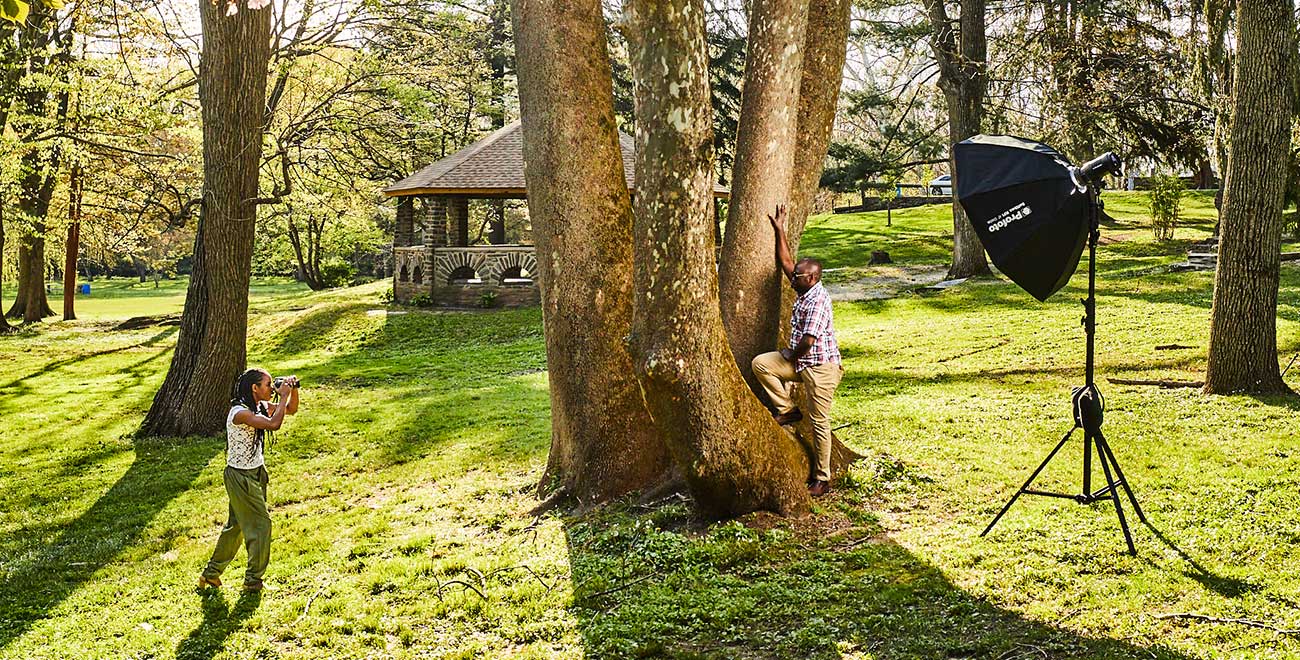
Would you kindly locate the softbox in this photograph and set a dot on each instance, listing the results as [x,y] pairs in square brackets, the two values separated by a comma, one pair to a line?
[1027,209]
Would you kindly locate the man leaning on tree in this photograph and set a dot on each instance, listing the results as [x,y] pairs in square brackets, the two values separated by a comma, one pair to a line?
[812,359]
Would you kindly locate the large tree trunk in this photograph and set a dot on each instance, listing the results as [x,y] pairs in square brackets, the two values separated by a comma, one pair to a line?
[34,202]
[963,77]
[735,458]
[210,347]
[766,142]
[603,441]
[1243,334]
[825,47]
[38,167]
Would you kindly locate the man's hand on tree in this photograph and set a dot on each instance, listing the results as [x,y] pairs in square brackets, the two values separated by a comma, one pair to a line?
[778,222]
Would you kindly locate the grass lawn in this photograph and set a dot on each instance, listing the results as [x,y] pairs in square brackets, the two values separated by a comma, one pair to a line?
[400,493]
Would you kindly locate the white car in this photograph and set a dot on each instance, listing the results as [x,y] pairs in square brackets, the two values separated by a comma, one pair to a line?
[941,185]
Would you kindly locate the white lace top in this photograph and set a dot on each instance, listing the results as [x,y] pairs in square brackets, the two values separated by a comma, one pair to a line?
[243,451]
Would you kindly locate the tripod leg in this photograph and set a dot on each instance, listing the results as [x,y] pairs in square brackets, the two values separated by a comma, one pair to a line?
[1028,481]
[1114,495]
[1109,456]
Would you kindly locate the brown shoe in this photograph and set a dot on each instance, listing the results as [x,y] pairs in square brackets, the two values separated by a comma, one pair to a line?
[205,582]
[252,587]
[819,488]
[788,418]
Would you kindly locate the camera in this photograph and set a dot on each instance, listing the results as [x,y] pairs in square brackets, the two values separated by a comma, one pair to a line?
[280,381]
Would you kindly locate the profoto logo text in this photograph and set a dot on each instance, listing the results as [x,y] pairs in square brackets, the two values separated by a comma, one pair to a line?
[1009,216]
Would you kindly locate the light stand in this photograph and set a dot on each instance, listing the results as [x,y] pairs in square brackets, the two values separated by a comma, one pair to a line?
[1087,400]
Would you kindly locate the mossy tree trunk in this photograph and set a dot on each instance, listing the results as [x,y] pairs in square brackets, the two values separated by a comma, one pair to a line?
[767,139]
[1243,325]
[735,458]
[603,441]
[211,345]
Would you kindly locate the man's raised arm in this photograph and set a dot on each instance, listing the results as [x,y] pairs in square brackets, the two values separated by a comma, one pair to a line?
[783,258]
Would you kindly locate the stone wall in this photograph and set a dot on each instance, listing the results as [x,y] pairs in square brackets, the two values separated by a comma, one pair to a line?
[876,204]
[459,276]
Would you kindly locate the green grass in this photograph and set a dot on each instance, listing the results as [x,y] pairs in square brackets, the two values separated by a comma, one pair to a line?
[412,464]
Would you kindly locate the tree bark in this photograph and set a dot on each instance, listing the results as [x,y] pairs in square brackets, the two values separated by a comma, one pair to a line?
[825,47]
[766,143]
[210,347]
[38,167]
[963,77]
[603,441]
[73,245]
[1243,325]
[4,324]
[34,195]
[734,457]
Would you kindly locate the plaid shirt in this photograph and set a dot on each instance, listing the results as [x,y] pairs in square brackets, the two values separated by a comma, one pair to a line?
[813,316]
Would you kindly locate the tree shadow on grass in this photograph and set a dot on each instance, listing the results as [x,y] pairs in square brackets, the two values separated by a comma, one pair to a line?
[643,589]
[218,624]
[45,564]
[18,386]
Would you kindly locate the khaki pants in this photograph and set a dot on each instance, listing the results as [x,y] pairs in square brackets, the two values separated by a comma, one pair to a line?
[775,373]
[248,517]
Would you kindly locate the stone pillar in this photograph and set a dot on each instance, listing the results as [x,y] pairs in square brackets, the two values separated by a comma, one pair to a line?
[435,236]
[497,236]
[458,217]
[402,234]
[434,220]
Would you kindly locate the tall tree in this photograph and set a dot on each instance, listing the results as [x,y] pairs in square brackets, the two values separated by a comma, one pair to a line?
[210,347]
[39,42]
[603,440]
[824,47]
[766,141]
[73,244]
[1243,325]
[734,456]
[963,76]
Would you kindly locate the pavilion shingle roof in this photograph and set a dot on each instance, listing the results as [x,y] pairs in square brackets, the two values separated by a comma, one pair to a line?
[492,166]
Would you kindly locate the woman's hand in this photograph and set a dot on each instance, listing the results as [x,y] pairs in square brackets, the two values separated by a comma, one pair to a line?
[286,388]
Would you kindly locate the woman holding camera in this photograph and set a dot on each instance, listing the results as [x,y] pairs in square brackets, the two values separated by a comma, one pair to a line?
[252,416]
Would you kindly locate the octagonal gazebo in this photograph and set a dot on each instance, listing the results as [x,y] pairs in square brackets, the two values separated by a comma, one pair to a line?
[435,200]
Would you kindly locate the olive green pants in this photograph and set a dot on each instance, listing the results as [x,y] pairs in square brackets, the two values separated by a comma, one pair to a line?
[775,373]
[248,518]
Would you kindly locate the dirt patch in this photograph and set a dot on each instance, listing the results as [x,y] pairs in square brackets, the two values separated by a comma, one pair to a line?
[887,282]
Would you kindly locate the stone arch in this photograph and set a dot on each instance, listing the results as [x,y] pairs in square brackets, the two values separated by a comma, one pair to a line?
[402,274]
[454,262]
[418,275]
[515,265]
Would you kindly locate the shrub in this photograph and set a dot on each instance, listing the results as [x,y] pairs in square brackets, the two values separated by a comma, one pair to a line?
[336,273]
[488,299]
[1166,199]
[422,300]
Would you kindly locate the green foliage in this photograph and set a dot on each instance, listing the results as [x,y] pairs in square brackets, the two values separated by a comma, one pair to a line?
[488,299]
[422,300]
[1166,200]
[336,273]
[14,11]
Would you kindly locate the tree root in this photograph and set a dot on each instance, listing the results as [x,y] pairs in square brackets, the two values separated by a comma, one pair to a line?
[1167,384]
[1241,622]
